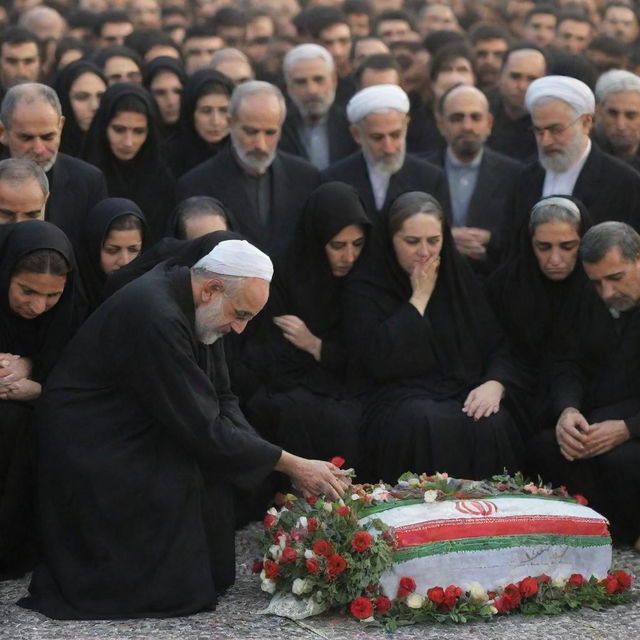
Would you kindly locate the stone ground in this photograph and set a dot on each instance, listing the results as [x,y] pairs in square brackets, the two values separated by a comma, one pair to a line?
[237,618]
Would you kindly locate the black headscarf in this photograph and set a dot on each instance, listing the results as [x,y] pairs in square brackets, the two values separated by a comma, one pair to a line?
[183,253]
[96,228]
[527,303]
[190,149]
[145,179]
[467,333]
[163,64]
[43,338]
[72,137]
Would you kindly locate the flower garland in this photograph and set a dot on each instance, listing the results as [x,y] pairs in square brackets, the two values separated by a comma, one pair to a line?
[315,549]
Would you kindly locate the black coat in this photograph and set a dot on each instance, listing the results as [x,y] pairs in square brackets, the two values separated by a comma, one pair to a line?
[136,502]
[74,187]
[513,138]
[608,188]
[415,175]
[490,204]
[341,142]
[293,180]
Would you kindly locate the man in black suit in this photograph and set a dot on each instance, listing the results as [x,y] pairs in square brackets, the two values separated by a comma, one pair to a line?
[481,181]
[265,189]
[569,163]
[31,122]
[382,170]
[315,128]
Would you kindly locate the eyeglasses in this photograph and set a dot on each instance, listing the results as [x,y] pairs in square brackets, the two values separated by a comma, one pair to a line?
[553,129]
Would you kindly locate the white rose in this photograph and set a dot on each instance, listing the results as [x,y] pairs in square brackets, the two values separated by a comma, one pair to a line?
[282,541]
[263,575]
[413,482]
[492,610]
[328,507]
[415,601]
[273,511]
[355,496]
[269,585]
[308,554]
[275,551]
[300,586]
[559,582]
[302,522]
[430,496]
[476,593]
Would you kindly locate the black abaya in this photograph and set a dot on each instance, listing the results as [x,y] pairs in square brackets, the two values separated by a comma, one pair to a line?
[419,369]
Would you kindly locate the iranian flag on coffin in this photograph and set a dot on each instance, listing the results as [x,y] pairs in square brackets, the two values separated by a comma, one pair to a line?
[493,541]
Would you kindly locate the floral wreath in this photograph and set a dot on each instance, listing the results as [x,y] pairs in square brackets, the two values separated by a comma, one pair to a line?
[316,550]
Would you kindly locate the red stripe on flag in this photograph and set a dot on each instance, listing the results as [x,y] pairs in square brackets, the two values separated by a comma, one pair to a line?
[455,529]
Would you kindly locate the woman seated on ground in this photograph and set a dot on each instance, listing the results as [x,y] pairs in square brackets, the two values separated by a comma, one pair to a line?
[537,291]
[123,142]
[36,322]
[199,215]
[430,353]
[297,350]
[204,120]
[114,234]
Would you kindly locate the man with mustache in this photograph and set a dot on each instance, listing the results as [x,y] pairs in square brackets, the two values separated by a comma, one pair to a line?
[481,181]
[316,128]
[265,189]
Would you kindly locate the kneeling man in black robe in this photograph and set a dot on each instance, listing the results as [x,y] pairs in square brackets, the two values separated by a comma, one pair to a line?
[141,444]
[595,383]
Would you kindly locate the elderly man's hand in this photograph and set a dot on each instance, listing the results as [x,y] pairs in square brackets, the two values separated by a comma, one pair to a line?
[314,477]
[13,368]
[22,391]
[604,436]
[572,433]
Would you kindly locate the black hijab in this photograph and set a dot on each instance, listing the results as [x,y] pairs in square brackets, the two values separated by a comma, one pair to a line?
[42,338]
[145,179]
[529,304]
[164,64]
[72,137]
[96,228]
[465,333]
[190,149]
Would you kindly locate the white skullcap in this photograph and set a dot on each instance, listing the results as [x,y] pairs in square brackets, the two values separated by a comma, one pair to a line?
[237,258]
[574,92]
[379,97]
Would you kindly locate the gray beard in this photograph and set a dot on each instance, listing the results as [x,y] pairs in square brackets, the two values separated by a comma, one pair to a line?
[561,162]
[390,166]
[206,322]
[259,166]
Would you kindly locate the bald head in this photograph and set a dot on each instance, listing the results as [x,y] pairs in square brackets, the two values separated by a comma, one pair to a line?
[464,121]
[44,22]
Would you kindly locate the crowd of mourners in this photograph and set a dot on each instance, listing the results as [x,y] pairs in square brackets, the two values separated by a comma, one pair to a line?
[450,194]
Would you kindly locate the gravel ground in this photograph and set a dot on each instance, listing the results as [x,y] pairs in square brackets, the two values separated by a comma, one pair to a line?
[237,618]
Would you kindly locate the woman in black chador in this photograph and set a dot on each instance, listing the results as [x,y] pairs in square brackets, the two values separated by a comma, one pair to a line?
[537,292]
[298,350]
[36,322]
[430,353]
[123,142]
[114,235]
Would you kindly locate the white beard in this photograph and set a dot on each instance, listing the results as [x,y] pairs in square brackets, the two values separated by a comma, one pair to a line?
[207,321]
[567,158]
[389,164]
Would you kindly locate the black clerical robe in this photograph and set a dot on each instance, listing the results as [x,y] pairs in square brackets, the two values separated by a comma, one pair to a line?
[292,180]
[140,443]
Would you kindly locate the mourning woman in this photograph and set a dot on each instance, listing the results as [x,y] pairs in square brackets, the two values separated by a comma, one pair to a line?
[114,234]
[123,142]
[204,120]
[302,403]
[80,86]
[537,292]
[36,322]
[430,353]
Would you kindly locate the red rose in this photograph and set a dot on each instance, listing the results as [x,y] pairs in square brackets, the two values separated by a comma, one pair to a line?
[313,566]
[436,595]
[271,569]
[575,580]
[528,587]
[491,594]
[503,604]
[451,595]
[362,608]
[338,461]
[361,541]
[512,591]
[312,500]
[610,584]
[289,554]
[383,604]
[336,564]
[406,586]
[312,524]
[269,521]
[343,511]
[278,534]
[322,548]
[543,579]
[257,566]
[624,580]
[580,499]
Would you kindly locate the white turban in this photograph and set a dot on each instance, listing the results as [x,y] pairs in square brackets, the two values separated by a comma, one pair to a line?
[379,97]
[237,258]
[574,92]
